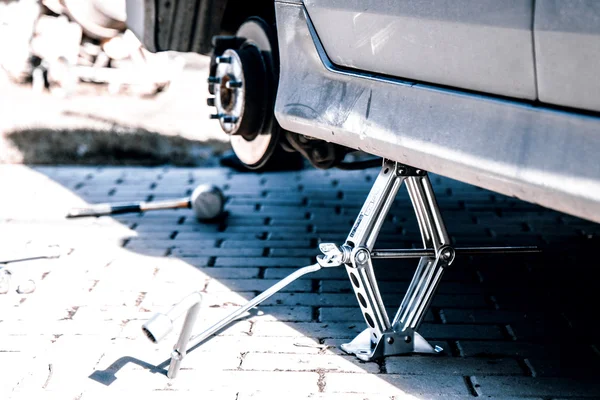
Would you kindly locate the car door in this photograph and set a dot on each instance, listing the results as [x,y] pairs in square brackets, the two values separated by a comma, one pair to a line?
[480,45]
[567,48]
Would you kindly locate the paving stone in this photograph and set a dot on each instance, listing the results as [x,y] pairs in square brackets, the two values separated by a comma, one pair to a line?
[64,364]
[24,394]
[345,300]
[344,286]
[281,313]
[265,395]
[268,200]
[12,373]
[225,394]
[183,252]
[268,229]
[262,344]
[332,345]
[330,273]
[64,327]
[216,235]
[309,329]
[313,299]
[569,363]
[488,316]
[306,362]
[91,313]
[305,243]
[21,342]
[199,262]
[395,385]
[282,221]
[424,365]
[540,387]
[262,261]
[133,329]
[299,382]
[219,272]
[353,314]
[446,331]
[535,330]
[293,252]
[254,284]
[167,242]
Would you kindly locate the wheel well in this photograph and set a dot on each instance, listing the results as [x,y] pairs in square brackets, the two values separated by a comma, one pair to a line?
[237,11]
[189,25]
[228,15]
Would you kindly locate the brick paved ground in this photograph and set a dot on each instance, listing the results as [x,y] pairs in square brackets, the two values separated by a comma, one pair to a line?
[512,327]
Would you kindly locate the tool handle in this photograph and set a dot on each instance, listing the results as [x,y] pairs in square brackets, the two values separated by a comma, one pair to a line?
[201,337]
[104,209]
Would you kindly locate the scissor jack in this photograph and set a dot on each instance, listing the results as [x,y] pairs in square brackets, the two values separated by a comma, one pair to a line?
[381,338]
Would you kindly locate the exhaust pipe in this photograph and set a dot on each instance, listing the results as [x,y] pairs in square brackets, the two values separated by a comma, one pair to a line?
[160,325]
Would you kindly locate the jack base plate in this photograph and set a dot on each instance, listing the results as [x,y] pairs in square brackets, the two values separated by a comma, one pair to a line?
[390,344]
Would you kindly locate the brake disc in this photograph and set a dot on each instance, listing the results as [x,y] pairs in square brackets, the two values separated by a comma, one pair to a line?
[244,79]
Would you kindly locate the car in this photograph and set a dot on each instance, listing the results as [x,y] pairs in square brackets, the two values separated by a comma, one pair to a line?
[503,95]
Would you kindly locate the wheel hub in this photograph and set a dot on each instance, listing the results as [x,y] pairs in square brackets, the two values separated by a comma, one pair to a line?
[229,100]
[239,86]
[244,80]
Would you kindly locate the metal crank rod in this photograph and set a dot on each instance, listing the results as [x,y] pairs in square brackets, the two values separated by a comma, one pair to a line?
[418,253]
[161,324]
[196,340]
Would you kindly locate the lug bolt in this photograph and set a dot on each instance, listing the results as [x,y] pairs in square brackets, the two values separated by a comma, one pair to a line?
[390,340]
[214,79]
[407,339]
[229,119]
[401,170]
[223,60]
[233,84]
[210,101]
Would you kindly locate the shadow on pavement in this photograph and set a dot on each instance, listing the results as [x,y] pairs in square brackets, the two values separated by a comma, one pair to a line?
[118,146]
[510,325]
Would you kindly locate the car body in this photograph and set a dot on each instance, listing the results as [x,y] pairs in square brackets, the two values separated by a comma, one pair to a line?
[504,95]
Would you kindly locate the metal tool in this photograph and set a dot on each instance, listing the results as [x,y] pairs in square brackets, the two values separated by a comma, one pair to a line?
[161,324]
[30,253]
[382,337]
[155,326]
[207,201]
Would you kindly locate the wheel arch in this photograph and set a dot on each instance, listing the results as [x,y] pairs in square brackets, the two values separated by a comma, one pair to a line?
[189,25]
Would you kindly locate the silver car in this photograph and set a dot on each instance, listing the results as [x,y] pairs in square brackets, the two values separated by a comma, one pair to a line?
[500,94]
